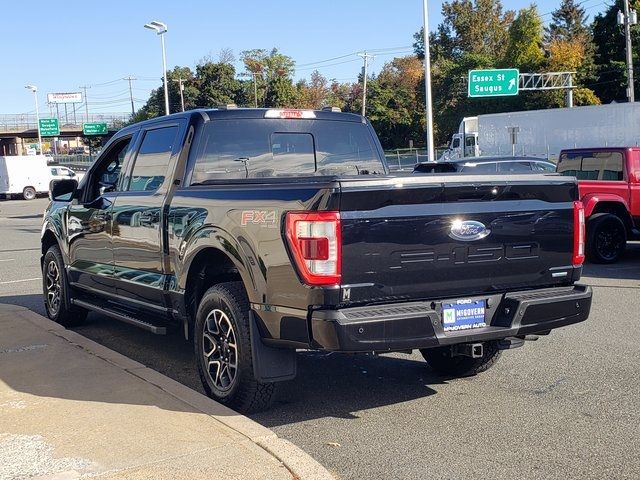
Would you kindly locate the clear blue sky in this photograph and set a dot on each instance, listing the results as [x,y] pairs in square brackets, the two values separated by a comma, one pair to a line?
[60,46]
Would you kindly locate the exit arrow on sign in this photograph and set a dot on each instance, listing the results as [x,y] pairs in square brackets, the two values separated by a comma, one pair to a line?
[493,83]
[94,128]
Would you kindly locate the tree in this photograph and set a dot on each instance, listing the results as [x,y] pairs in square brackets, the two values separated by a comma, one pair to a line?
[155,104]
[269,67]
[393,102]
[524,47]
[475,26]
[217,84]
[568,22]
[611,78]
[312,94]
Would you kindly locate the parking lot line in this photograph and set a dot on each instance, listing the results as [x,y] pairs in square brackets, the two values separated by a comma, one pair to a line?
[19,281]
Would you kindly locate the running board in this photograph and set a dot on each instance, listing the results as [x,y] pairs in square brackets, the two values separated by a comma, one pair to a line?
[121,316]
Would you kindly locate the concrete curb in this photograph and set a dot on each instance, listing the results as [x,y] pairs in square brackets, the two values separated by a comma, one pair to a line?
[301,465]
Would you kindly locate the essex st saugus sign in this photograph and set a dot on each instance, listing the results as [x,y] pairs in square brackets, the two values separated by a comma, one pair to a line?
[493,83]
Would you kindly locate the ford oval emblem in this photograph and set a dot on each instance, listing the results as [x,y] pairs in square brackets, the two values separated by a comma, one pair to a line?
[468,230]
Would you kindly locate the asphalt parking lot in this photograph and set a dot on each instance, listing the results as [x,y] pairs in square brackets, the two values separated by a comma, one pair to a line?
[566,406]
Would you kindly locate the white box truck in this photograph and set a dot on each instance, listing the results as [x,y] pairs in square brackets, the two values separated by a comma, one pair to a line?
[24,175]
[543,133]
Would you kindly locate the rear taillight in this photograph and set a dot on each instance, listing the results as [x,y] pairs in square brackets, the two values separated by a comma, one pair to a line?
[578,233]
[314,239]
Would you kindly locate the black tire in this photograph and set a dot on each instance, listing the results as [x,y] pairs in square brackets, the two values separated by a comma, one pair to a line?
[29,193]
[57,302]
[441,361]
[221,306]
[606,238]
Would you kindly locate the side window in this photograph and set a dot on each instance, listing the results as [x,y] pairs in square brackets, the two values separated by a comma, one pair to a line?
[544,167]
[107,174]
[54,171]
[479,168]
[514,167]
[151,163]
[455,143]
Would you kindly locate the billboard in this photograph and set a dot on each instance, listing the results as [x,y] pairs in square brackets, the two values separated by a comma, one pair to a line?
[64,97]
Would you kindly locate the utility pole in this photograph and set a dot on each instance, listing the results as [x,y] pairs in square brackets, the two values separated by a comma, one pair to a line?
[628,18]
[427,84]
[181,86]
[130,79]
[255,88]
[365,57]
[86,101]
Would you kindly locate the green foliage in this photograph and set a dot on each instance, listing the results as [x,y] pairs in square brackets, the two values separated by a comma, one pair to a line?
[217,84]
[568,22]
[524,47]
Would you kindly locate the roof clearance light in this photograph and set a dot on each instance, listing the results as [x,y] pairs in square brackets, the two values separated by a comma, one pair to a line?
[289,114]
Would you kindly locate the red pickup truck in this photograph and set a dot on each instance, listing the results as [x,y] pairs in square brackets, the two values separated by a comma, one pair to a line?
[609,185]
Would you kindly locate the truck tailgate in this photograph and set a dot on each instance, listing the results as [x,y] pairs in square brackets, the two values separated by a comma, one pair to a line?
[428,237]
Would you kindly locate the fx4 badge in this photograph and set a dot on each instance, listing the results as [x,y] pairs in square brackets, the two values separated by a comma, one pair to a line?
[266,218]
[468,230]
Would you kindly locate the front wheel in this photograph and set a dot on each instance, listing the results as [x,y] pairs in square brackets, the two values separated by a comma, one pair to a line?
[55,288]
[441,361]
[223,350]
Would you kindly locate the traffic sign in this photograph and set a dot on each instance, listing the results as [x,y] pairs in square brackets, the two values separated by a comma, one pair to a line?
[49,127]
[94,128]
[493,83]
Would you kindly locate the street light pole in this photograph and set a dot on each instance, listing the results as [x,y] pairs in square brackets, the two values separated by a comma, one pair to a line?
[34,89]
[161,28]
[427,84]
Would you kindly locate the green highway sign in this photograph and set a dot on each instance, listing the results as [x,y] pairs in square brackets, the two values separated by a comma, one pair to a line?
[94,128]
[49,127]
[493,83]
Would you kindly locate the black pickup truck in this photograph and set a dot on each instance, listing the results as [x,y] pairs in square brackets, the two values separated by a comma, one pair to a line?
[258,232]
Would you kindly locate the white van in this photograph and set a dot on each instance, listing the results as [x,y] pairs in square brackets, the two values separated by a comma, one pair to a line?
[25,175]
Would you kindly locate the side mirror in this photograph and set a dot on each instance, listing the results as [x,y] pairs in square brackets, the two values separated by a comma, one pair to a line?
[63,190]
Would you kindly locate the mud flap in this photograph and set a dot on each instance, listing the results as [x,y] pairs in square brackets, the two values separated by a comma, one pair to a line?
[270,364]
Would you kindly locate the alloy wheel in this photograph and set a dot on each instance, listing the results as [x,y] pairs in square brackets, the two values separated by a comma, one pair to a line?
[53,286]
[220,349]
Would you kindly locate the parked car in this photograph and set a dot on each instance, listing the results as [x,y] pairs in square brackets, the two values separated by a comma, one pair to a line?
[60,173]
[258,232]
[609,185]
[471,165]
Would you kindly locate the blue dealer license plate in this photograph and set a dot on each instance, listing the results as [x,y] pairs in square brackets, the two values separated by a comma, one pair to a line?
[463,315]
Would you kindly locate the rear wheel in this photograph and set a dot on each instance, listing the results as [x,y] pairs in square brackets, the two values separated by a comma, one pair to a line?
[56,291]
[441,361]
[606,238]
[29,193]
[223,350]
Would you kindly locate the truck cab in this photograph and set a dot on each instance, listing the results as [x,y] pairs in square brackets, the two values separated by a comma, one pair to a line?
[609,187]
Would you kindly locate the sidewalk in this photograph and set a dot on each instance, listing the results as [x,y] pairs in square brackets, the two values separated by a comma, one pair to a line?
[71,408]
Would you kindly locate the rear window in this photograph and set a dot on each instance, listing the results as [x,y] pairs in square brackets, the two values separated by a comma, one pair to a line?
[592,165]
[255,148]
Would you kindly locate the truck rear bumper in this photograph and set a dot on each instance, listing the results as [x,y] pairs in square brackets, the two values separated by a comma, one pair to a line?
[402,326]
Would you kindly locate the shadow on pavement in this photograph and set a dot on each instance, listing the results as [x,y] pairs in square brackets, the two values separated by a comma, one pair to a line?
[628,268]
[335,385]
